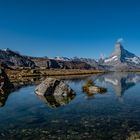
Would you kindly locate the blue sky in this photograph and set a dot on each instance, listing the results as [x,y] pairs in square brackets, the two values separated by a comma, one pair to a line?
[84,28]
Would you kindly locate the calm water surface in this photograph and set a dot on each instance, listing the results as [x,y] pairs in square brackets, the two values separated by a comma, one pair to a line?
[113,115]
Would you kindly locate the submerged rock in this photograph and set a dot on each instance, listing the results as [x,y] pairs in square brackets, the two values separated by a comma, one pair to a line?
[90,88]
[52,86]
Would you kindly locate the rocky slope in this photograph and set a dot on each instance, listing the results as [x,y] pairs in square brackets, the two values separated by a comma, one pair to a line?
[60,64]
[89,61]
[12,58]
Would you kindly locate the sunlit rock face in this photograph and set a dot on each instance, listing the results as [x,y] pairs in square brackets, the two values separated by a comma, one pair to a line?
[55,92]
[52,86]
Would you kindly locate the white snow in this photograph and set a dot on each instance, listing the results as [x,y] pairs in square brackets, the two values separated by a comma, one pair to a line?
[61,58]
[135,60]
[114,58]
[6,49]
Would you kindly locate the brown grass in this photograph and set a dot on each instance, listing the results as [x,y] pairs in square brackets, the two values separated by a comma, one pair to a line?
[55,72]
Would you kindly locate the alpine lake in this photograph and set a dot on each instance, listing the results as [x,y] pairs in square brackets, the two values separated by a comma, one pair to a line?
[113,115]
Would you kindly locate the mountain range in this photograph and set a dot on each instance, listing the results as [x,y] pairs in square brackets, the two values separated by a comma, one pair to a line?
[119,60]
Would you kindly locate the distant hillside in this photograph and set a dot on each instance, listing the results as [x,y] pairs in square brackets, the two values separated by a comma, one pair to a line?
[12,58]
[60,64]
[91,62]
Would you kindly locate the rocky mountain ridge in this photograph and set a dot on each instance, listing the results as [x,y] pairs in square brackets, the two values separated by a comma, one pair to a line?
[15,59]
[12,58]
[119,60]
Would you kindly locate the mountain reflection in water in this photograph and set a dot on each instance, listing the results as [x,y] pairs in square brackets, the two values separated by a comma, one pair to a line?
[120,81]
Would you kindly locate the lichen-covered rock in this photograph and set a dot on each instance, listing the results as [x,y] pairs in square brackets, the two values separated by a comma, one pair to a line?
[52,86]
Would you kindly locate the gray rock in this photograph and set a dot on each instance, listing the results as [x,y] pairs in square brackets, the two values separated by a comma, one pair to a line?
[52,86]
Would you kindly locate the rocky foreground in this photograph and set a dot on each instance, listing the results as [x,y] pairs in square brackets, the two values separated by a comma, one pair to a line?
[66,132]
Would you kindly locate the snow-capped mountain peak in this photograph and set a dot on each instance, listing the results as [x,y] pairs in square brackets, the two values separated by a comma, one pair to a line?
[119,50]
[122,56]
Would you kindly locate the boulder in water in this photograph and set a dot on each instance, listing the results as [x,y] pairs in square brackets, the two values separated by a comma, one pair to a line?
[52,86]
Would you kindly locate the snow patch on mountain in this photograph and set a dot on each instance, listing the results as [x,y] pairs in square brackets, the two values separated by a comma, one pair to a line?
[61,58]
[135,60]
[114,58]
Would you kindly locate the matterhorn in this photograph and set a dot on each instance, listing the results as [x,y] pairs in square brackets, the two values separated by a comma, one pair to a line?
[121,59]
